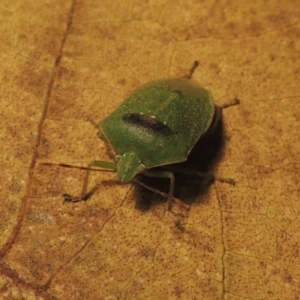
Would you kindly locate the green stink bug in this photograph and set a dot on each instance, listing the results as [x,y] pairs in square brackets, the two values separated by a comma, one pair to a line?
[156,126]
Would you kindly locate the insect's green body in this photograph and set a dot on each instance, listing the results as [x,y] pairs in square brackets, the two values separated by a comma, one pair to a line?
[158,124]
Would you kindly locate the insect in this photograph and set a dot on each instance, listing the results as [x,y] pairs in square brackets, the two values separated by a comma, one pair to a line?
[156,126]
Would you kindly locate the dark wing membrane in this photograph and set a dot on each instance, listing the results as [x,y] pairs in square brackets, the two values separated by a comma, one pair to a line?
[147,123]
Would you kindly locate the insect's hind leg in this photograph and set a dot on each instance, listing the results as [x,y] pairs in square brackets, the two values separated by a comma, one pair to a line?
[192,70]
[218,114]
[235,101]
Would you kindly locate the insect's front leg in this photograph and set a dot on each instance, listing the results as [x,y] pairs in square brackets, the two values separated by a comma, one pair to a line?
[106,166]
[164,174]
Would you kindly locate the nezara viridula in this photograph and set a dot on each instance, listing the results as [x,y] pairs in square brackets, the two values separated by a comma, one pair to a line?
[156,126]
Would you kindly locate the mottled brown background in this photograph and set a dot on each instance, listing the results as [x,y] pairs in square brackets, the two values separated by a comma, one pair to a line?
[61,61]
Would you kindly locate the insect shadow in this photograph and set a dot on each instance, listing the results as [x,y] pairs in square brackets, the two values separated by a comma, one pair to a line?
[204,156]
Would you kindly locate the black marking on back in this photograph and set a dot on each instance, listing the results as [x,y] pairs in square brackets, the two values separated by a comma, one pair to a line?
[147,123]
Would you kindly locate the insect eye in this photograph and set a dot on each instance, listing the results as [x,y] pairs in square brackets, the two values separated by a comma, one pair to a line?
[117,158]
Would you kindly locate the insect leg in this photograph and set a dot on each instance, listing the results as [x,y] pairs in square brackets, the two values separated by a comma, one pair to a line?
[218,114]
[93,122]
[164,174]
[107,166]
[235,101]
[192,70]
[178,169]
